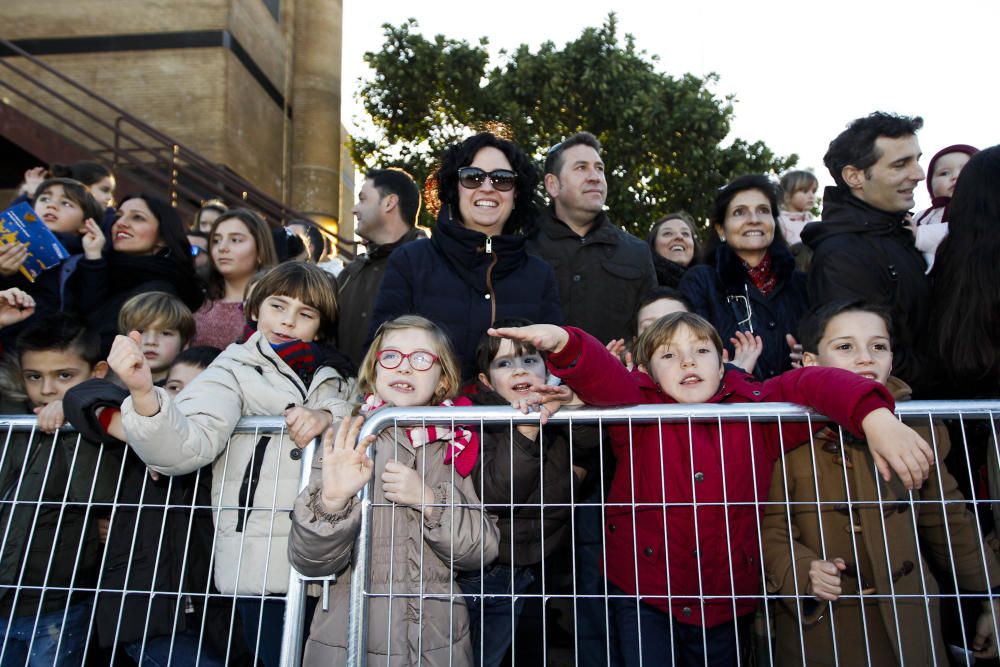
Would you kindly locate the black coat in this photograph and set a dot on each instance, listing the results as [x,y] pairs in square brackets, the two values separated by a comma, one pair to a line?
[601,275]
[861,252]
[100,287]
[146,549]
[773,316]
[464,281]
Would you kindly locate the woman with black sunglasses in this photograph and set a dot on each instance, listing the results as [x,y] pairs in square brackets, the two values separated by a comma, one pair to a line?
[749,282]
[474,269]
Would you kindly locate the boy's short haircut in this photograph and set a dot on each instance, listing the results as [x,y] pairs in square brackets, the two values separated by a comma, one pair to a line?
[797,180]
[663,330]
[303,281]
[653,295]
[199,356]
[61,332]
[76,192]
[813,325]
[451,372]
[489,346]
[160,310]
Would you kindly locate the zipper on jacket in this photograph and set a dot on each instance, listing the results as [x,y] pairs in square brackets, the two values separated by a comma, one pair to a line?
[491,295]
[294,380]
[489,245]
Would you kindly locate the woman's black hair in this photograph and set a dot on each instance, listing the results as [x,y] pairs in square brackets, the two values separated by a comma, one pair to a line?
[526,201]
[171,230]
[721,204]
[965,280]
[85,171]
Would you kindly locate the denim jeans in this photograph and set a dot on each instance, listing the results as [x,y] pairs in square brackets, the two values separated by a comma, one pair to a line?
[55,641]
[667,641]
[158,652]
[495,589]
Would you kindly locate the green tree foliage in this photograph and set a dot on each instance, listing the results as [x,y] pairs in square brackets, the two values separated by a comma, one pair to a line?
[662,135]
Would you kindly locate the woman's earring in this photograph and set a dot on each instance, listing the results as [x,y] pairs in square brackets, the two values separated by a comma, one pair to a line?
[722,237]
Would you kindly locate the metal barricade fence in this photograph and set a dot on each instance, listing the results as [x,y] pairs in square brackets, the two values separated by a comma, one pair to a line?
[101,561]
[98,556]
[773,510]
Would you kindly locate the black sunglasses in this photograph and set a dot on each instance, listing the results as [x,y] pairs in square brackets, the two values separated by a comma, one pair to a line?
[473,177]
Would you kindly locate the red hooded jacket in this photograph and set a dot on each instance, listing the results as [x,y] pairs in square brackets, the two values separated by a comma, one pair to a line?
[664,550]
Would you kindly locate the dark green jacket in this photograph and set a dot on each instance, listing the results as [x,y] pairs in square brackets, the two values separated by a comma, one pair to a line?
[51,490]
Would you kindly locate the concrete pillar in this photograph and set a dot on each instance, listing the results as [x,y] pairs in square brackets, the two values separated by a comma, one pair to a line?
[315,150]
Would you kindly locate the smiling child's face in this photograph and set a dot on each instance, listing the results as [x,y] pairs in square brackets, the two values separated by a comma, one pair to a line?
[855,341]
[688,367]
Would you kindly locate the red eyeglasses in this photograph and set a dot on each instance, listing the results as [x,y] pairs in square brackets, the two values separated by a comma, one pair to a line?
[420,360]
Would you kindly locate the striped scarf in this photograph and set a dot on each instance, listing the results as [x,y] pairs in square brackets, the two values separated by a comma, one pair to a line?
[462,444]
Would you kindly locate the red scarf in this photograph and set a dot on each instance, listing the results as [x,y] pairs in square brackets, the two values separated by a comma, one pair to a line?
[462,448]
[762,275]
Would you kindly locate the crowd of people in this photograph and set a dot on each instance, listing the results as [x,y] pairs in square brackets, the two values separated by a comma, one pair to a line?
[156,337]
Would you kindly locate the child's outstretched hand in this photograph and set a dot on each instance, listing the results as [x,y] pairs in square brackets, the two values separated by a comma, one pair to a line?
[50,417]
[896,446]
[795,354]
[618,348]
[304,424]
[824,579]
[93,239]
[545,337]
[32,179]
[129,364]
[15,305]
[746,350]
[402,484]
[346,467]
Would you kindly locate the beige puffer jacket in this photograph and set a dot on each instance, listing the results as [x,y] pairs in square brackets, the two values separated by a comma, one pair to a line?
[256,470]
[424,618]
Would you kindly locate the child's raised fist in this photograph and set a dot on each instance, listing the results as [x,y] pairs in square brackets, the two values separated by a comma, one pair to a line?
[129,364]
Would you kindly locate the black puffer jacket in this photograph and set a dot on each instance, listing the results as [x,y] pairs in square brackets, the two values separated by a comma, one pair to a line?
[719,294]
[464,281]
[860,252]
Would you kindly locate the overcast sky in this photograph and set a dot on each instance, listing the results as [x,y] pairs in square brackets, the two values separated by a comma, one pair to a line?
[800,70]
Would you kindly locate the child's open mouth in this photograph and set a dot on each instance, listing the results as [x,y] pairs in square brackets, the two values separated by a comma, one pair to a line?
[402,386]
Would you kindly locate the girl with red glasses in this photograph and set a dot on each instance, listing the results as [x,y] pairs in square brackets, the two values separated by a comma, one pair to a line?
[427,521]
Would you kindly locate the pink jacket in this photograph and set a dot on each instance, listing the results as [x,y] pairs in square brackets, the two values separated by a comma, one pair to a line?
[663,550]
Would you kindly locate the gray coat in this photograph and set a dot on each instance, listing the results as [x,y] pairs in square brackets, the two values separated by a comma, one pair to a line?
[423,618]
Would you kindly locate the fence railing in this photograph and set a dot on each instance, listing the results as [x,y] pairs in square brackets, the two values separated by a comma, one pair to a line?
[712,555]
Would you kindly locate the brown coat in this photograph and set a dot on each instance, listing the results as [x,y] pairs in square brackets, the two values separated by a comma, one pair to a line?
[882,540]
[412,624]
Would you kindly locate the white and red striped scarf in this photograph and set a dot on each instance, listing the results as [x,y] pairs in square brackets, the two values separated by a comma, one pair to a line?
[462,449]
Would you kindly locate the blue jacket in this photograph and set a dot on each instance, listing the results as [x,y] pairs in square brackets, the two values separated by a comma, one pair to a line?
[464,281]
[773,316]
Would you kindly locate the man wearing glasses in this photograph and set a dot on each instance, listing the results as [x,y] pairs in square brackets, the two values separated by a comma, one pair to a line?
[602,271]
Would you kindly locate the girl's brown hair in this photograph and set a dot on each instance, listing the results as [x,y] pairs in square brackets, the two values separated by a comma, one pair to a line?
[450,370]
[259,230]
[663,330]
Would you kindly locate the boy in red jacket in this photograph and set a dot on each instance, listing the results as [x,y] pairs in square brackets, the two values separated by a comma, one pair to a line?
[682,524]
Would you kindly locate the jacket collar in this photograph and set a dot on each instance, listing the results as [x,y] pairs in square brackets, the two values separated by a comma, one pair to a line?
[465,250]
[379,251]
[733,276]
[603,231]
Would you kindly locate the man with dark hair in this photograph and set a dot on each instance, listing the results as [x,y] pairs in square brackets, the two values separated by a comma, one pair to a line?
[862,248]
[386,213]
[601,269]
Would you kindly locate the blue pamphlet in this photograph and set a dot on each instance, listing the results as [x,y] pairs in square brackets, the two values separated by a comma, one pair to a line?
[20,224]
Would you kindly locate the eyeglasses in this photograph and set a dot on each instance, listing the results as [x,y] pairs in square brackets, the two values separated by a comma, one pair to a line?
[473,177]
[741,305]
[420,360]
[196,250]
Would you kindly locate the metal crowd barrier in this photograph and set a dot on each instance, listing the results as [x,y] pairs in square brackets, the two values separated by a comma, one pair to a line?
[569,614]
